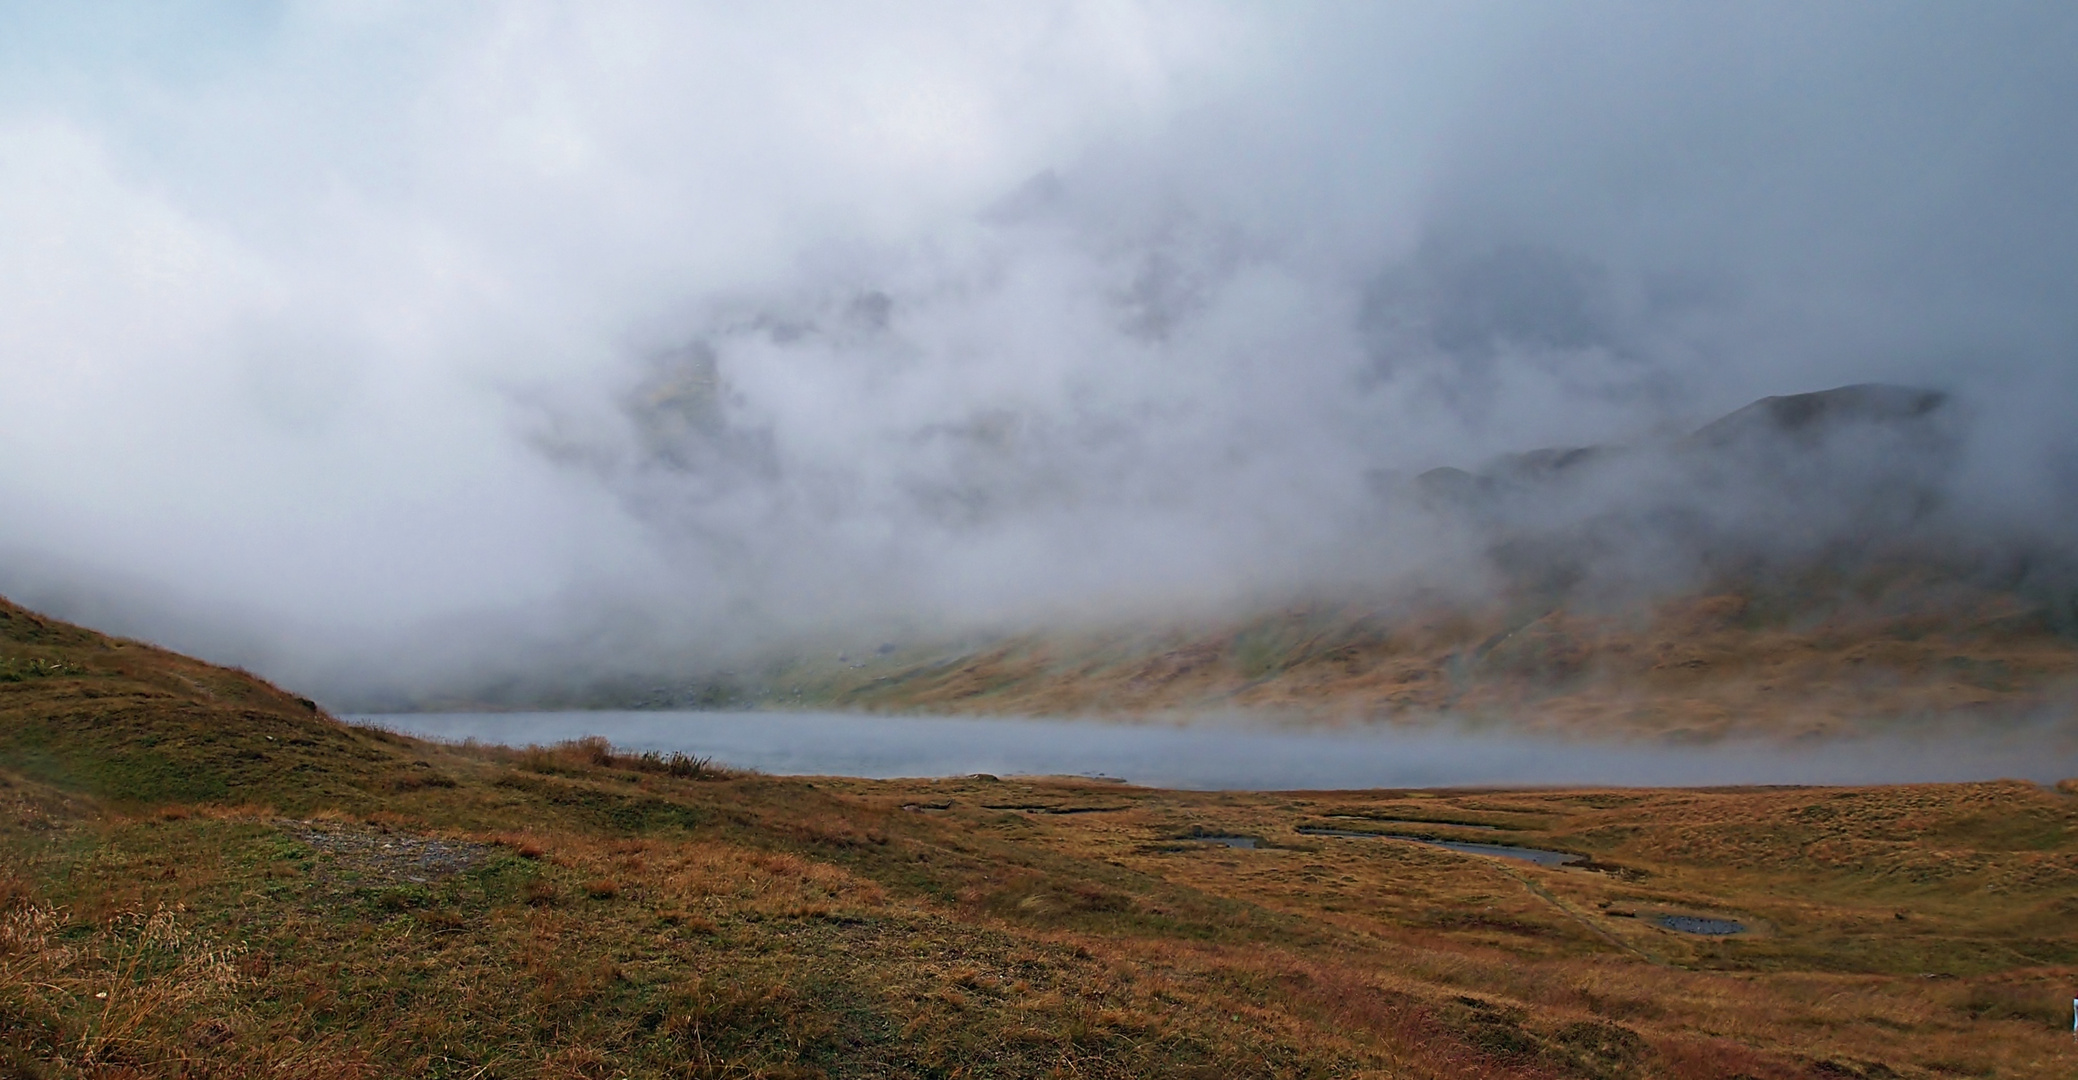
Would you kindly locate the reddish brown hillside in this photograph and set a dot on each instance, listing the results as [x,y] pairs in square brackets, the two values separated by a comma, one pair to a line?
[1701,667]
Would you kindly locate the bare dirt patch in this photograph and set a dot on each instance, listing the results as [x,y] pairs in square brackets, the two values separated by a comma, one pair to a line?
[355,855]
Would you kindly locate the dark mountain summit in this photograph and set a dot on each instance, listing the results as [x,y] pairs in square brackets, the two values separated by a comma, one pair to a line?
[1802,423]
[1842,479]
[1821,414]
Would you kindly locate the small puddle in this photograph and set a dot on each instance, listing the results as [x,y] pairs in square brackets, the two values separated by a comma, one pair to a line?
[1504,851]
[1051,808]
[1405,822]
[1224,841]
[1696,924]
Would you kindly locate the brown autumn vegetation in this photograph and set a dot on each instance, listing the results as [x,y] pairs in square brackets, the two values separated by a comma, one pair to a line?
[1743,662]
[200,875]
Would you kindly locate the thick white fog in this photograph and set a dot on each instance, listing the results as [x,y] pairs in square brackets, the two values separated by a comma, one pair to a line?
[374,343]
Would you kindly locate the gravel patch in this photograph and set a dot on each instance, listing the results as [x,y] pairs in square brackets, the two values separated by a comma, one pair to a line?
[374,855]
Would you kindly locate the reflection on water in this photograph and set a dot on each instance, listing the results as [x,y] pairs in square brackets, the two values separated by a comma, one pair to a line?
[1505,851]
[1404,822]
[1247,842]
[1229,754]
[1696,924]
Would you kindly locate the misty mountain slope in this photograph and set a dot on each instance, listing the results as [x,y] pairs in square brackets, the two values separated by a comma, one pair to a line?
[635,343]
[1795,567]
[1810,418]
[130,723]
[1808,564]
[1714,666]
[1845,479]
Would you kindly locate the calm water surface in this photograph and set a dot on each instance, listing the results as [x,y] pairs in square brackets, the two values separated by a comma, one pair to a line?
[1237,755]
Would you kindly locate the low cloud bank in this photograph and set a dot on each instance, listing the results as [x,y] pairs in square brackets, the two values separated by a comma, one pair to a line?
[384,350]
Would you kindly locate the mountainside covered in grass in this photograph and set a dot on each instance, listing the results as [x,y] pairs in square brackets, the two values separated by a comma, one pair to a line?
[1905,649]
[1810,564]
[200,875]
[1700,668]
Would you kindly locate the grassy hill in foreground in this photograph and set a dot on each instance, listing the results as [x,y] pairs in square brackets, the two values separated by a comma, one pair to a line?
[201,875]
[126,721]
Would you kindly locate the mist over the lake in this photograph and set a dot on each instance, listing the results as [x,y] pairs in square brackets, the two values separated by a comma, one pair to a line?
[381,346]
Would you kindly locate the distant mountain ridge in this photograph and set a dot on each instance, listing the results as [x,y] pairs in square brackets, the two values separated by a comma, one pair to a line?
[1795,567]
[1817,413]
[1843,480]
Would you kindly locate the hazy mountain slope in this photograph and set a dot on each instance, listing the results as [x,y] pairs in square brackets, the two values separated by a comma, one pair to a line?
[1809,563]
[1802,565]
[1717,665]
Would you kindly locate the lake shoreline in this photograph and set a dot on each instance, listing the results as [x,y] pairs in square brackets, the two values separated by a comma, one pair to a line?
[1226,753]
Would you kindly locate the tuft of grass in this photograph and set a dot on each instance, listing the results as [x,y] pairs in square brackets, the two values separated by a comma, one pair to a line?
[680,765]
[577,757]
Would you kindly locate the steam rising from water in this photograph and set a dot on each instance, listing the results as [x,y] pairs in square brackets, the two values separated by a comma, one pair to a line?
[377,348]
[1240,756]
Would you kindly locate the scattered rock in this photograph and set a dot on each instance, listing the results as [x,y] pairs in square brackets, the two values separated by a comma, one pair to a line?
[365,856]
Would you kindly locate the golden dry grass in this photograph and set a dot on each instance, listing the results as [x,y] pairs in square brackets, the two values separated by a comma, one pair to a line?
[349,903]
[1698,668]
